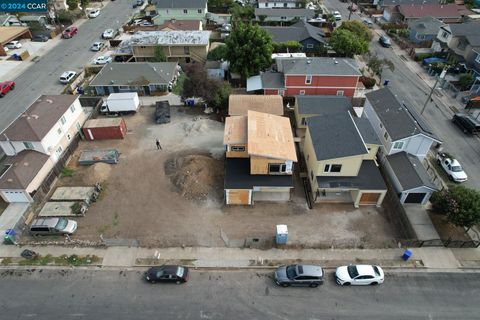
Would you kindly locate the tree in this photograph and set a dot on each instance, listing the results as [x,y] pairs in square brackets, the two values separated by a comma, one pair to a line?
[219,5]
[72,4]
[290,46]
[242,13]
[376,65]
[84,4]
[460,204]
[218,53]
[357,28]
[347,44]
[465,80]
[158,55]
[249,50]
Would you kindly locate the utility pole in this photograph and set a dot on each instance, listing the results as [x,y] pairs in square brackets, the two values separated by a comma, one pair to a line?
[350,9]
[442,75]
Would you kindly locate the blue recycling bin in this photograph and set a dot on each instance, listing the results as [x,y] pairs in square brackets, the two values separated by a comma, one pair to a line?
[190,102]
[386,82]
[282,234]
[406,255]
[9,237]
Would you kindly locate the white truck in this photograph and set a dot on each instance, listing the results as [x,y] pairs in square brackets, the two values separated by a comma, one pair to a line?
[121,103]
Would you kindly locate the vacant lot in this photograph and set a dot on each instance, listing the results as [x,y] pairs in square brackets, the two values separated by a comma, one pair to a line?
[174,196]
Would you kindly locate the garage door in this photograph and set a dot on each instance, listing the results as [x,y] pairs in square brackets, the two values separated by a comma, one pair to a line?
[271,196]
[369,198]
[15,196]
[238,197]
[415,197]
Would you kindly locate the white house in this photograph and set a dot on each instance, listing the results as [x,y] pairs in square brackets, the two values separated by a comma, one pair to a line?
[285,4]
[35,142]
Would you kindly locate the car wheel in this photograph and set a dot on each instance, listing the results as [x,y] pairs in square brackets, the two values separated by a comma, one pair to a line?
[438,161]
[285,284]
[12,87]
[178,282]
[346,284]
[374,283]
[313,285]
[450,178]
[1,95]
[152,281]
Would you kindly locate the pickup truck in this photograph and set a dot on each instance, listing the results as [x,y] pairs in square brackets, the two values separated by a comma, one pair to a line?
[452,168]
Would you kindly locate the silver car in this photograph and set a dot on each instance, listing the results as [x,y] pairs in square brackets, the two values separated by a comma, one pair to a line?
[299,274]
[53,226]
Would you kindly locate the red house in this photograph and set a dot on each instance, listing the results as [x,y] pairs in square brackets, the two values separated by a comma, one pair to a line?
[309,76]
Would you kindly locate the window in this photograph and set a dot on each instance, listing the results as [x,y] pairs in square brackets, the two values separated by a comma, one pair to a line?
[332,168]
[308,79]
[276,168]
[63,120]
[266,4]
[283,18]
[340,92]
[309,45]
[381,125]
[302,92]
[445,34]
[281,92]
[185,11]
[59,131]
[311,174]
[304,121]
[237,148]
[28,145]
[386,135]
[72,108]
[199,11]
[59,150]
[285,5]
[477,59]
[78,126]
[69,137]
[398,145]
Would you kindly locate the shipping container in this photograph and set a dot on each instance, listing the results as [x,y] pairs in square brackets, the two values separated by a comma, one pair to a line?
[104,129]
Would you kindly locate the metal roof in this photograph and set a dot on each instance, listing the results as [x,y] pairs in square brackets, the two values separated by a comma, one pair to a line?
[318,66]
[409,171]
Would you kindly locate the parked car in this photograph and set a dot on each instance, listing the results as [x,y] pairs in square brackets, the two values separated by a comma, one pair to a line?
[167,273]
[299,274]
[102,60]
[5,87]
[14,44]
[94,13]
[359,275]
[337,15]
[452,168]
[67,76]
[108,34]
[69,32]
[467,123]
[6,49]
[53,226]
[367,22]
[40,38]
[385,41]
[97,46]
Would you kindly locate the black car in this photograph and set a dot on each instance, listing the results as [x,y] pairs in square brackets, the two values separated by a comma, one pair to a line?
[40,38]
[385,41]
[467,123]
[167,273]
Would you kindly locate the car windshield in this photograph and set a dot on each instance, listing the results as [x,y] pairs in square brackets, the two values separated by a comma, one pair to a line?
[61,224]
[352,271]
[180,271]
[291,272]
[457,169]
[375,269]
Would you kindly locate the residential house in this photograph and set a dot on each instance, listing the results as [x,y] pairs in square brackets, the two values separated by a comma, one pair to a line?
[447,13]
[382,4]
[401,130]
[283,15]
[177,45]
[310,37]
[146,78]
[240,104]
[260,154]
[424,29]
[309,76]
[462,42]
[8,34]
[181,25]
[216,69]
[340,159]
[35,142]
[179,10]
[34,21]
[7,20]
[277,4]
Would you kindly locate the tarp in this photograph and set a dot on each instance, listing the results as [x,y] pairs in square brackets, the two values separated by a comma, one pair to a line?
[254,83]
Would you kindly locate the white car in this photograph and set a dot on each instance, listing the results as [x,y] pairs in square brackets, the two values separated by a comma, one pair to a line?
[452,168]
[67,76]
[108,34]
[14,44]
[102,60]
[94,13]
[6,49]
[97,46]
[337,15]
[359,275]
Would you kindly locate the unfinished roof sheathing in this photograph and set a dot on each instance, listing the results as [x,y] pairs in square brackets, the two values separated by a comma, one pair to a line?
[240,104]
[235,130]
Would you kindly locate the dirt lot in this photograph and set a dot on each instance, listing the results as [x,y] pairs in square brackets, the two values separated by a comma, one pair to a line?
[174,196]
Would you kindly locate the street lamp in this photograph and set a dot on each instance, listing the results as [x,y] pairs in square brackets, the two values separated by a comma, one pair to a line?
[442,76]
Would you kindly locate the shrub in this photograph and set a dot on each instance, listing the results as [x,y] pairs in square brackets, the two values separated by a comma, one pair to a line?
[368,82]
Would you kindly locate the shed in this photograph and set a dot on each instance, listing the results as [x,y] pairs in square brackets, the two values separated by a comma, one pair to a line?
[105,129]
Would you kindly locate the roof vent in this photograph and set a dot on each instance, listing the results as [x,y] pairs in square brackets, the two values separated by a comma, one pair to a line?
[336,62]
[112,82]
[35,116]
[309,61]
[9,180]
[49,101]
[26,164]
[154,69]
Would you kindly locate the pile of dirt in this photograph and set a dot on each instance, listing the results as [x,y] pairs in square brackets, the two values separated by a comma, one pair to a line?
[198,125]
[98,172]
[196,177]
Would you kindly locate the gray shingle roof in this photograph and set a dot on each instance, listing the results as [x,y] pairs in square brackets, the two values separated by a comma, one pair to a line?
[180,4]
[136,73]
[468,30]
[368,178]
[407,2]
[23,168]
[307,13]
[335,136]
[272,80]
[426,25]
[318,66]
[366,130]
[399,120]
[409,171]
[297,32]
[323,105]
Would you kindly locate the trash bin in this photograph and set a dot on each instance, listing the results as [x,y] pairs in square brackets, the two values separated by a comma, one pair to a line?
[282,234]
[9,237]
[386,82]
[406,255]
[190,102]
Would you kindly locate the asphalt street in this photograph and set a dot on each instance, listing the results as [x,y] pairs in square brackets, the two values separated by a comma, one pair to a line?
[69,54]
[408,86]
[90,294]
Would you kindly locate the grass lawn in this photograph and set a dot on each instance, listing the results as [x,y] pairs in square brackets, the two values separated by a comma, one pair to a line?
[178,90]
